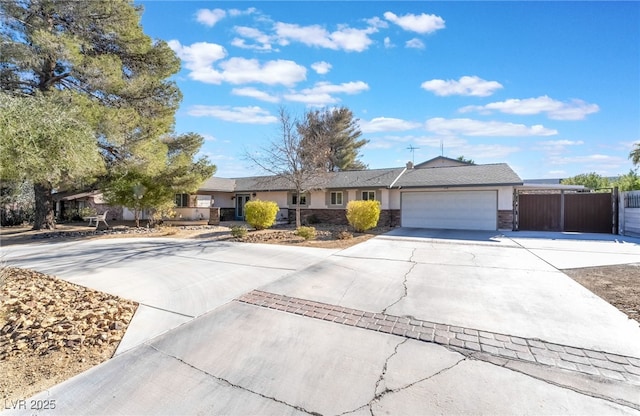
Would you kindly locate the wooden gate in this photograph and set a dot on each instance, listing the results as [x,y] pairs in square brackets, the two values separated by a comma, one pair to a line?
[579,212]
[539,212]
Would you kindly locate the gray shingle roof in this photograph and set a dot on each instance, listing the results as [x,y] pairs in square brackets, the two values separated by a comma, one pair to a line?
[469,175]
[219,184]
[374,178]
[472,175]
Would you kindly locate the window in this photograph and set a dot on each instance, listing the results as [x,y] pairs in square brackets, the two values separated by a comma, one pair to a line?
[368,195]
[294,199]
[336,198]
[182,200]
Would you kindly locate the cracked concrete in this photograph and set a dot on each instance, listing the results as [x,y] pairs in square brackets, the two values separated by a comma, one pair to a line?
[404,282]
[413,362]
[489,389]
[227,382]
[240,358]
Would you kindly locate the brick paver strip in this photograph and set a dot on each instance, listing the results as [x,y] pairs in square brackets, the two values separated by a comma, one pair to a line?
[613,366]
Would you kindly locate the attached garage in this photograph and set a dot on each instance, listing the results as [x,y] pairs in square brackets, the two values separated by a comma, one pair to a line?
[457,210]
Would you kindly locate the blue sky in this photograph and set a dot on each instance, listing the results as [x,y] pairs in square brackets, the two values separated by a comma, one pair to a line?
[552,88]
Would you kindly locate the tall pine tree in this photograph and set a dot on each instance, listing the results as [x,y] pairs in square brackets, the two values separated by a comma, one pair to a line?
[336,132]
[94,56]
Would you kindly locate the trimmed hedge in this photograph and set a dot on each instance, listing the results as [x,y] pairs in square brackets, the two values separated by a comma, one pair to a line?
[261,214]
[363,215]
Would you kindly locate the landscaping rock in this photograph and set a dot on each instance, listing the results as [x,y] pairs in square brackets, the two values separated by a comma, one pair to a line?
[44,316]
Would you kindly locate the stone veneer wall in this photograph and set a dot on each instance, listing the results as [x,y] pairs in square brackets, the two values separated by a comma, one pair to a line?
[388,218]
[505,219]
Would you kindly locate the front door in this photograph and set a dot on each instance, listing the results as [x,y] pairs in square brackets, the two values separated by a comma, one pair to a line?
[241,199]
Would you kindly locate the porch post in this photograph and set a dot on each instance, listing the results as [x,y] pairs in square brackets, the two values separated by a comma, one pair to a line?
[562,210]
[214,216]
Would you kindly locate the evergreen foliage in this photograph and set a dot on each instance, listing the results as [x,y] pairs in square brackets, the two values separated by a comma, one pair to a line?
[635,154]
[87,67]
[628,182]
[590,180]
[153,186]
[336,133]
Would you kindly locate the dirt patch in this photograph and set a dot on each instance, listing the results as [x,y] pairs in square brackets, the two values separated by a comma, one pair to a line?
[51,330]
[327,236]
[619,285]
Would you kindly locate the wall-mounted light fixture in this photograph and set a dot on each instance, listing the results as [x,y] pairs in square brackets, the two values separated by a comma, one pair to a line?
[254,194]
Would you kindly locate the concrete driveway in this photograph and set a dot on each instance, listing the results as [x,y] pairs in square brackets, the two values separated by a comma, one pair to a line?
[412,322]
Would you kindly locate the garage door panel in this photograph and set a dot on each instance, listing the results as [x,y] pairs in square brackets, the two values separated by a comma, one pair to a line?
[468,210]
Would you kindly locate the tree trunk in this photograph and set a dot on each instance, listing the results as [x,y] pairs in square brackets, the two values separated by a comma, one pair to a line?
[136,217]
[298,222]
[44,212]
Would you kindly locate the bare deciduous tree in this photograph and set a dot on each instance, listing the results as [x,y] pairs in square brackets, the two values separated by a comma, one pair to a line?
[285,159]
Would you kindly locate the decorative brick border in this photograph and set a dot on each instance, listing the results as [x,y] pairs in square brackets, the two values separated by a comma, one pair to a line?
[613,366]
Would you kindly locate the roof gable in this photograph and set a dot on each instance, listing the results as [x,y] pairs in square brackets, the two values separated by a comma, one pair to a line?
[468,175]
[440,162]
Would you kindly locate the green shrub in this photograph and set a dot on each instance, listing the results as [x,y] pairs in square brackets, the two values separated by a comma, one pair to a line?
[261,214]
[238,231]
[308,233]
[363,215]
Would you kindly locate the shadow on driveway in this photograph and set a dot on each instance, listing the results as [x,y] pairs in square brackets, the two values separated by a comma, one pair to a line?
[458,235]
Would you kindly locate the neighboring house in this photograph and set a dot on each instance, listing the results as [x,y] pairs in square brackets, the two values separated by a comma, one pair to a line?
[439,193]
[70,204]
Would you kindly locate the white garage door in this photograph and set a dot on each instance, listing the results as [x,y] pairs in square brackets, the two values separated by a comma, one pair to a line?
[457,210]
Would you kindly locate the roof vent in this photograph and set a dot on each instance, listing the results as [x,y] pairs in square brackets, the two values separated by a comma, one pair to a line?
[409,165]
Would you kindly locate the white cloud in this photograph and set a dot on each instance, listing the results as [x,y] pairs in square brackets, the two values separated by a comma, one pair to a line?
[554,109]
[321,67]
[605,165]
[377,22]
[200,57]
[466,85]
[345,38]
[453,147]
[589,160]
[557,147]
[246,115]
[414,43]
[353,87]
[209,138]
[321,93]
[422,23]
[469,127]
[242,71]
[210,17]
[380,124]
[238,12]
[388,43]
[313,100]
[562,142]
[255,93]
[487,152]
[262,40]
